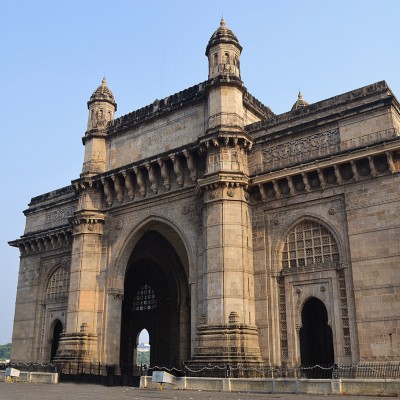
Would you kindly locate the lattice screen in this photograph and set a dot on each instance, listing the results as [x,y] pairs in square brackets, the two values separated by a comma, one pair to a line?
[309,243]
[145,299]
[58,285]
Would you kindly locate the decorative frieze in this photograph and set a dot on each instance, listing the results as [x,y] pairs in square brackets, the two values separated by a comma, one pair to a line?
[301,150]
[60,215]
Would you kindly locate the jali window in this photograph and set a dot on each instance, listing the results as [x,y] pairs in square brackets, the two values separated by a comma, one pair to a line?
[309,243]
[58,285]
[145,299]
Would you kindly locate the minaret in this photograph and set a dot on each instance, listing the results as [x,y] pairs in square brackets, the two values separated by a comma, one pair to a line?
[102,107]
[226,330]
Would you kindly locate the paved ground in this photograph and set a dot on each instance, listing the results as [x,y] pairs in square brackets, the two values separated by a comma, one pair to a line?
[71,391]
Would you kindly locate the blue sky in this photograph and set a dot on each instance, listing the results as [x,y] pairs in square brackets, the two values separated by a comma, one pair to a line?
[54,55]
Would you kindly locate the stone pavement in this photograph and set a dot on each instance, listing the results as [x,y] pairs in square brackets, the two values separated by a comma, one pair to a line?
[71,391]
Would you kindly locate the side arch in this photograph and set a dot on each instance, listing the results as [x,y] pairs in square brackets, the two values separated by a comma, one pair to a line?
[278,245]
[54,293]
[308,261]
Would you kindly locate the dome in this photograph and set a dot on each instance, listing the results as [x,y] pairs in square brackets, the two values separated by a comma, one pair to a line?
[223,35]
[300,103]
[102,93]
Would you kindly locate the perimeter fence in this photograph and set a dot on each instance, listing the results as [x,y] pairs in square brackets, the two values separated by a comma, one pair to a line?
[335,371]
[111,376]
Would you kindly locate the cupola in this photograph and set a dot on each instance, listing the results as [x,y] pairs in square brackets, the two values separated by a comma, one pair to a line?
[300,103]
[223,52]
[102,107]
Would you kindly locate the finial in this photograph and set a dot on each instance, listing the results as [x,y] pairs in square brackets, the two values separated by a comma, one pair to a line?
[300,96]
[222,23]
[103,82]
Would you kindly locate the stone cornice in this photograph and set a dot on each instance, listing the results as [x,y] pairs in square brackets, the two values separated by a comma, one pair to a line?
[329,160]
[329,110]
[147,177]
[348,168]
[225,80]
[55,194]
[255,105]
[87,221]
[39,242]
[220,138]
[158,108]
[227,179]
[94,134]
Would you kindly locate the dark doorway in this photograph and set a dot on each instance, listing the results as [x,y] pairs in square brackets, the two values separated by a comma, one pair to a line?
[57,330]
[316,342]
[156,298]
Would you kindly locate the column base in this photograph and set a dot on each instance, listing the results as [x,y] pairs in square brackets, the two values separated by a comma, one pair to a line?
[77,348]
[236,346]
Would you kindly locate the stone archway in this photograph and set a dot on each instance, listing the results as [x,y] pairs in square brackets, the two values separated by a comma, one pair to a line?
[316,340]
[156,298]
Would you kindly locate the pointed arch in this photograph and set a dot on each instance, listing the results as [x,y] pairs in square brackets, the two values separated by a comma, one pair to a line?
[57,286]
[166,228]
[278,246]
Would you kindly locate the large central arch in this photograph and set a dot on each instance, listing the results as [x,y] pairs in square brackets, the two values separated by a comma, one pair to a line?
[156,298]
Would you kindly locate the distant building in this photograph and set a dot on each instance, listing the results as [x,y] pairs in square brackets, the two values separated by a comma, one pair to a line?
[233,235]
[143,347]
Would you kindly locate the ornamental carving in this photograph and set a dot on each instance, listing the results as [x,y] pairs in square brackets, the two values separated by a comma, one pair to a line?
[304,148]
[191,208]
[59,215]
[231,192]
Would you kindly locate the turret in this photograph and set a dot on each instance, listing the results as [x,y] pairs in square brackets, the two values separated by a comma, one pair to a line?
[300,103]
[102,107]
[225,93]
[223,52]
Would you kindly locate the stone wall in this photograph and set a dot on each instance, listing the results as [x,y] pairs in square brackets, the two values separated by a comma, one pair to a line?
[157,136]
[372,210]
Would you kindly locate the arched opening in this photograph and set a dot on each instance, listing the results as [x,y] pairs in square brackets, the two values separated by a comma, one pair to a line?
[316,341]
[143,348]
[226,58]
[57,330]
[156,298]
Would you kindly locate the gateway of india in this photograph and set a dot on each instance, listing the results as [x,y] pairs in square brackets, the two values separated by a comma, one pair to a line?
[231,234]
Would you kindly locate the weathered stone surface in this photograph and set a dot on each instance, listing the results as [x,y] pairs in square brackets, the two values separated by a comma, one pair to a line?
[212,223]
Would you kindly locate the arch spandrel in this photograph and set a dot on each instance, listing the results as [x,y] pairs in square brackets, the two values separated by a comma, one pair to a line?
[165,227]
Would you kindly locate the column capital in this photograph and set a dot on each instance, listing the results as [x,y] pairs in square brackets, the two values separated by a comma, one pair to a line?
[87,222]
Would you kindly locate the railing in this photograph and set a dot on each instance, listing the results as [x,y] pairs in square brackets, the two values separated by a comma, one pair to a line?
[335,371]
[106,375]
[30,367]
